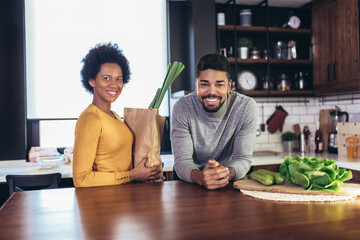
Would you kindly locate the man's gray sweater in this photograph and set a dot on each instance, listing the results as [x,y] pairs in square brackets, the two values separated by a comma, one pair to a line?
[228,135]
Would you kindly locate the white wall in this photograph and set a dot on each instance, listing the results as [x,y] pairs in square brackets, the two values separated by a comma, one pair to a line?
[303,114]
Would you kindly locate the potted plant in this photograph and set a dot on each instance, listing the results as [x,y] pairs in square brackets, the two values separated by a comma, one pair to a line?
[244,45]
[288,139]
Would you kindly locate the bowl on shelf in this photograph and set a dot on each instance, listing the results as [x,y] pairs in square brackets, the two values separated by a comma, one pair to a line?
[50,161]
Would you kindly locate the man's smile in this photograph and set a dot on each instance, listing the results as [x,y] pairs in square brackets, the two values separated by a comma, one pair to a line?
[211,99]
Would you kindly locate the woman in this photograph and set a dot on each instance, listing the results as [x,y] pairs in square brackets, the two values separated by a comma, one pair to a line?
[103,143]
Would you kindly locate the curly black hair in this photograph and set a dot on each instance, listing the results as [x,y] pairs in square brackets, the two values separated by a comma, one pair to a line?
[100,54]
[213,61]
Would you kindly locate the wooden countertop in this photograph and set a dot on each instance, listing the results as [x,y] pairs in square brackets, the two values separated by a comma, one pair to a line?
[170,210]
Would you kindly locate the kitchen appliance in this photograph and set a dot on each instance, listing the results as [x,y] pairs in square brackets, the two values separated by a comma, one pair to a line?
[335,118]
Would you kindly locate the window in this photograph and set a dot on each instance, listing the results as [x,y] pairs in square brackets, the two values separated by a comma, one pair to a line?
[59,33]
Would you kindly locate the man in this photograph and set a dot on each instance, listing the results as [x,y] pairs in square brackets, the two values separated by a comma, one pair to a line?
[213,129]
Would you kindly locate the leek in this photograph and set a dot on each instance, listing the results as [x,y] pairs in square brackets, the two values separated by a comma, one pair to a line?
[172,72]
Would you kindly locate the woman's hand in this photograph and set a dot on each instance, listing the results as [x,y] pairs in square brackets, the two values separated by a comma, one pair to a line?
[143,173]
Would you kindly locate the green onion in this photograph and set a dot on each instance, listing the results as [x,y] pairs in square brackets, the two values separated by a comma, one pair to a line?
[171,74]
[153,102]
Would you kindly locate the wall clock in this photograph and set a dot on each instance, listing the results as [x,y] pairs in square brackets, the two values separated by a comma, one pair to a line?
[247,81]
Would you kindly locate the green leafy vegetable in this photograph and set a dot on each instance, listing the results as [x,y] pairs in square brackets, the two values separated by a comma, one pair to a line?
[171,74]
[314,173]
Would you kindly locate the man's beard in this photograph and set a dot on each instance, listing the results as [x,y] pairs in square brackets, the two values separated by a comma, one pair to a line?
[215,109]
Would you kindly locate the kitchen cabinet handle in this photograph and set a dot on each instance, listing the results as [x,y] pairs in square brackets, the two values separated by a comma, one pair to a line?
[328,72]
[334,70]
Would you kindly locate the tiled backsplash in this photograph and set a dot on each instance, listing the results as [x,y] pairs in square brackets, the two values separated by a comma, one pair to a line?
[304,111]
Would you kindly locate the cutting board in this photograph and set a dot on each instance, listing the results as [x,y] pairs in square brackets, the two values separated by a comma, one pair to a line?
[348,189]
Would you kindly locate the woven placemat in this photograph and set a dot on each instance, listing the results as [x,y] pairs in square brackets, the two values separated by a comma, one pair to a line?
[287,197]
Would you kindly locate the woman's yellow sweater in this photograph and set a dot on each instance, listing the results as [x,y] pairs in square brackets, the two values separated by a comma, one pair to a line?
[102,149]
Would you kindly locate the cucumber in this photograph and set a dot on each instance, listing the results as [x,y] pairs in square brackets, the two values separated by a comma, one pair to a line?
[266,180]
[277,177]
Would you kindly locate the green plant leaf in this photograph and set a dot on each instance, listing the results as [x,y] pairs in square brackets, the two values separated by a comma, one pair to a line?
[157,94]
[302,180]
[172,72]
[331,172]
[314,173]
[347,176]
[323,180]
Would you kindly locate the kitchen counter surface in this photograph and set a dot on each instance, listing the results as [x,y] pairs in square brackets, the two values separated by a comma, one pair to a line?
[259,159]
[168,211]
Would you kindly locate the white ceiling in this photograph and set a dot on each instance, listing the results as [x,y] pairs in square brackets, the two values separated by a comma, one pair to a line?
[272,3]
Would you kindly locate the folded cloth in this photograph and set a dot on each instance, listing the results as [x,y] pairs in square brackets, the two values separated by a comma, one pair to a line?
[68,153]
[42,152]
[277,119]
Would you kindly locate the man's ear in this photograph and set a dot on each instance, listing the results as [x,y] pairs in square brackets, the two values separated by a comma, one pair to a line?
[230,84]
[92,82]
[196,85]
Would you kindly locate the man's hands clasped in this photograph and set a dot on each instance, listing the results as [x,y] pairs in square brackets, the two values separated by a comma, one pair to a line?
[214,175]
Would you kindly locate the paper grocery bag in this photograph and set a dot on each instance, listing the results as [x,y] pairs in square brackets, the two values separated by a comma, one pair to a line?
[147,126]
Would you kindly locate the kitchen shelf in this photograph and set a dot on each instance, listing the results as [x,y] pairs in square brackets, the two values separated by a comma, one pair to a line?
[263,29]
[265,34]
[272,61]
[261,93]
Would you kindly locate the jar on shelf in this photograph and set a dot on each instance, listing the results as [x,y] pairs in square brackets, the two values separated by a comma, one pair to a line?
[221,19]
[278,49]
[245,17]
[255,53]
[283,83]
[266,84]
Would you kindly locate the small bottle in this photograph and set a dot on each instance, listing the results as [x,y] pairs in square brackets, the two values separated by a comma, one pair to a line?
[301,81]
[307,133]
[318,139]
